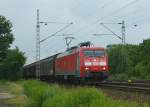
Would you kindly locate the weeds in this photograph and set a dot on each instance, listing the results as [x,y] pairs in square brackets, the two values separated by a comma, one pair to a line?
[43,95]
[33,93]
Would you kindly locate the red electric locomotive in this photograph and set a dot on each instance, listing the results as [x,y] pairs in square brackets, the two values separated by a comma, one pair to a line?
[79,62]
[82,61]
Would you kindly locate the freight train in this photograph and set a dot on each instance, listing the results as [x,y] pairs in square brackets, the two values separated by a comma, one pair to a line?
[79,62]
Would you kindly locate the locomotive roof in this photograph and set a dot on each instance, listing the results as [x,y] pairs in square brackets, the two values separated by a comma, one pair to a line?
[74,50]
[90,48]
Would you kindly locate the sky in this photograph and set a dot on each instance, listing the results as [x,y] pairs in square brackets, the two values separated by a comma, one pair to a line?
[86,16]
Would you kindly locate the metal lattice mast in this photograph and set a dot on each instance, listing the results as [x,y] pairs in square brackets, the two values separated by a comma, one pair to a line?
[38,47]
[123,66]
[38,41]
[123,33]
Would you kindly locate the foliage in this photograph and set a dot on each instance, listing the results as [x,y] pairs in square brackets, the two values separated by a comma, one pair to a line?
[6,37]
[11,66]
[38,92]
[33,93]
[44,95]
[130,61]
[11,60]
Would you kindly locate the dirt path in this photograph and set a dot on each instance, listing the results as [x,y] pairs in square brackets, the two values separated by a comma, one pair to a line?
[4,95]
[1,105]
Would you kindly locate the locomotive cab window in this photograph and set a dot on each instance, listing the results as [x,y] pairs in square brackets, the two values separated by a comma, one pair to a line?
[94,53]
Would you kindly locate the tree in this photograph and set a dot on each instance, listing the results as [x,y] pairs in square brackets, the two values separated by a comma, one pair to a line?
[11,60]
[11,67]
[142,69]
[6,37]
[145,51]
[118,58]
[136,60]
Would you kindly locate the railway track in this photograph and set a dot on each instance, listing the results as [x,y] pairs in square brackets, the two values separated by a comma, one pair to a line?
[131,86]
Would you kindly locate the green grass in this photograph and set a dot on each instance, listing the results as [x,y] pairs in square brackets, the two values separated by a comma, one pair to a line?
[43,95]
[85,97]
[33,93]
[38,92]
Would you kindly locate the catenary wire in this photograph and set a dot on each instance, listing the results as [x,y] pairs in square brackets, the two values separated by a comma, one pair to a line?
[108,15]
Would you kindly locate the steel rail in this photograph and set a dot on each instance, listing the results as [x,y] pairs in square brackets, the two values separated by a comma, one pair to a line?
[136,86]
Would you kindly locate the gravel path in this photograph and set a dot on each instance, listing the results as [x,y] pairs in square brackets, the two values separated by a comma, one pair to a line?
[1,105]
[3,96]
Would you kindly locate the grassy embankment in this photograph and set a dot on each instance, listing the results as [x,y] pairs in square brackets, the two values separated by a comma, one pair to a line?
[39,94]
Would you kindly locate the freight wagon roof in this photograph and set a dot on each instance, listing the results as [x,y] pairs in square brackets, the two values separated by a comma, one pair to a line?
[42,60]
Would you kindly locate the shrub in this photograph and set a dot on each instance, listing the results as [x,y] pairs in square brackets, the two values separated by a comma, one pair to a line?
[38,92]
[46,95]
[85,97]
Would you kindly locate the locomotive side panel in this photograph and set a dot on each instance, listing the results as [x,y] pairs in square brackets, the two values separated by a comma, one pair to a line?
[66,64]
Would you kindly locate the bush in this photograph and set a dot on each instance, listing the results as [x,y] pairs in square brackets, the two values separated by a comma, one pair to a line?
[44,95]
[11,66]
[85,97]
[38,92]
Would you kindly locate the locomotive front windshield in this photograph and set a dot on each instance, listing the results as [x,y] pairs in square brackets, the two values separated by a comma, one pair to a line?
[94,53]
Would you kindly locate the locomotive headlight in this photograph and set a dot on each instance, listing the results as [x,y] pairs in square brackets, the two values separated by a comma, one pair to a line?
[87,63]
[102,63]
[86,68]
